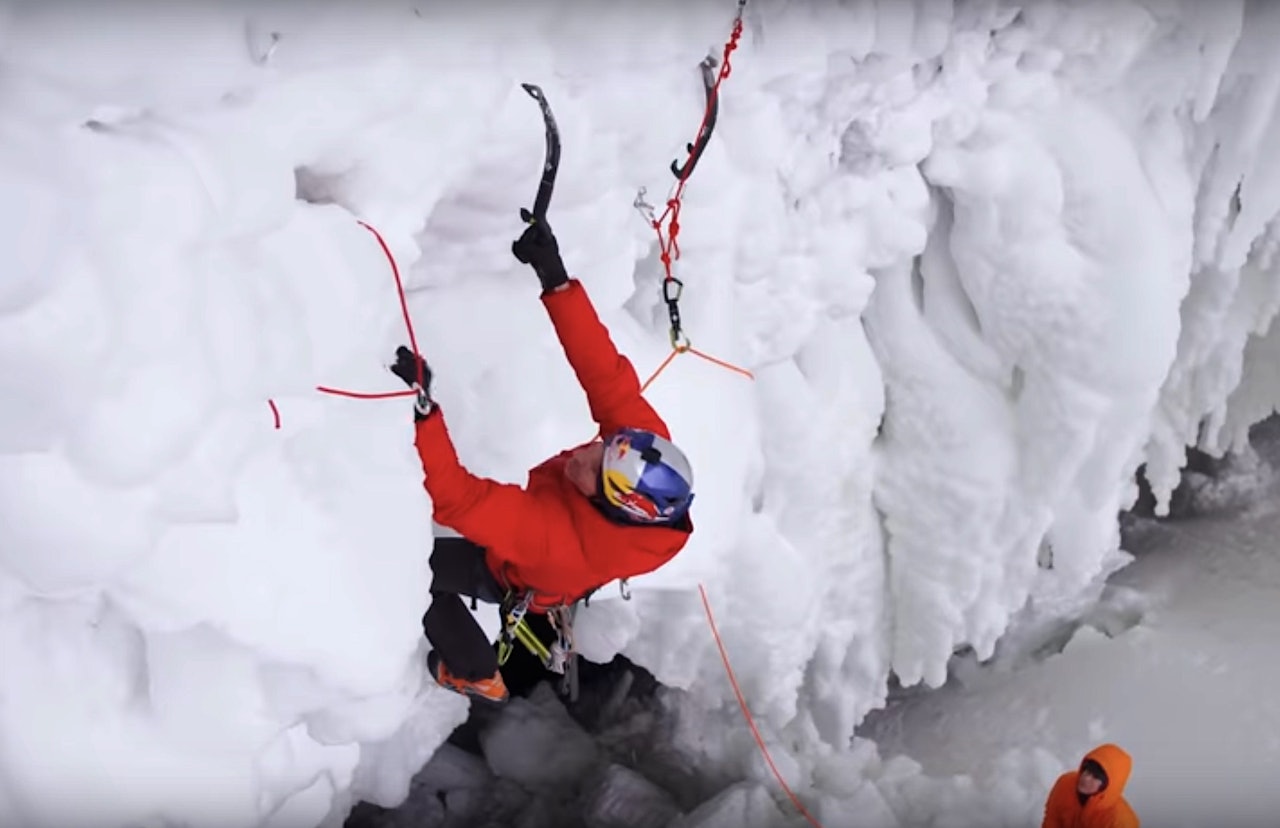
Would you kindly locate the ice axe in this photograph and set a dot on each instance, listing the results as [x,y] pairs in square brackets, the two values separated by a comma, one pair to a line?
[551,163]
[699,146]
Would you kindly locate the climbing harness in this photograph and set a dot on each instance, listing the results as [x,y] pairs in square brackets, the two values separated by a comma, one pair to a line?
[512,611]
[561,655]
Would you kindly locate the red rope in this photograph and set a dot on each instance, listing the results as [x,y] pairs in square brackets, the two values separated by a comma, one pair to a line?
[361,395]
[668,243]
[404,304]
[669,246]
[408,324]
[275,412]
[751,722]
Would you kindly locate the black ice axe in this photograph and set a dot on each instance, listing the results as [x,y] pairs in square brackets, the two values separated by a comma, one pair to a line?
[550,164]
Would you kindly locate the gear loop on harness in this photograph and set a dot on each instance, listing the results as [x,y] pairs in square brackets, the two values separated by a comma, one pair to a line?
[512,611]
[560,656]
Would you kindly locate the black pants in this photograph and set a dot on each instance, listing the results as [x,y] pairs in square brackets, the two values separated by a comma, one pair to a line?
[458,570]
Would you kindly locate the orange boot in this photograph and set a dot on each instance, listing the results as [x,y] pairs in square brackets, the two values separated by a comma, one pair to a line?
[492,689]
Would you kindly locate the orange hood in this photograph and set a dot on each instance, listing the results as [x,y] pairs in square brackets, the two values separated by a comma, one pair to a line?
[1117,765]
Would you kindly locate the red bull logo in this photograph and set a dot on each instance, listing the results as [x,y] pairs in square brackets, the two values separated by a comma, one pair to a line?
[638,504]
[619,491]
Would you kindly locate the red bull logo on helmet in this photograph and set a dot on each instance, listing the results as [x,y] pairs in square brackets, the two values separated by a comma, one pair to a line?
[621,493]
[638,504]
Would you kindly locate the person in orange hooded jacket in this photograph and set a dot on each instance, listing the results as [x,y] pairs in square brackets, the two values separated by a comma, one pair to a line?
[1093,795]
[612,508]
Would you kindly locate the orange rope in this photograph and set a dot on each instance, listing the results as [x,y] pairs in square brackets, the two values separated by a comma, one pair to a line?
[722,363]
[671,356]
[679,350]
[751,722]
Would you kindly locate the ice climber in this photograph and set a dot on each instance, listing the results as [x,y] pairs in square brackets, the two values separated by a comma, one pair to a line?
[612,508]
[1093,795]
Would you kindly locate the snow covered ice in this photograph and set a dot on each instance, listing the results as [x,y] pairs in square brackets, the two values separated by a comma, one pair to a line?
[1190,628]
[983,261]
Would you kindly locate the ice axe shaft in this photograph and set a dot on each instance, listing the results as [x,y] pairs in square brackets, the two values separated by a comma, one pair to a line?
[551,163]
[696,149]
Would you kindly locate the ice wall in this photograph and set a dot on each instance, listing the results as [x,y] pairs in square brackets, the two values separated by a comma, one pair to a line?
[983,262]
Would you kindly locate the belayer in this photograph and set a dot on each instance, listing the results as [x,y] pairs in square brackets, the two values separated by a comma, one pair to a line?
[612,508]
[1092,796]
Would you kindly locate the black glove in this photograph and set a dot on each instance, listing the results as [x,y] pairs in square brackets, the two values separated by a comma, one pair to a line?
[537,247]
[406,367]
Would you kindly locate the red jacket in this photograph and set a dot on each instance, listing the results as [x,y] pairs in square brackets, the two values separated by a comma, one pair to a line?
[546,537]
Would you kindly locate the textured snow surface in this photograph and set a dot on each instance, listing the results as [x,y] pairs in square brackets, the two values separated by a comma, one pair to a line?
[1174,664]
[983,261]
